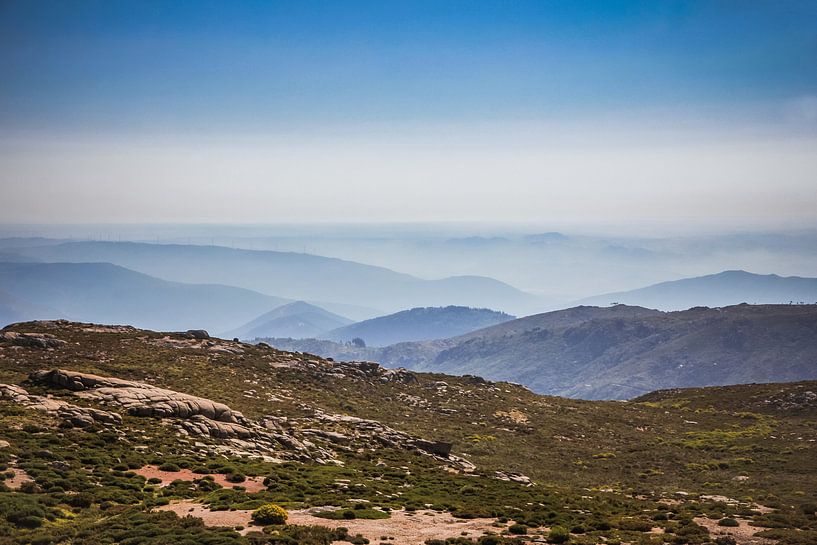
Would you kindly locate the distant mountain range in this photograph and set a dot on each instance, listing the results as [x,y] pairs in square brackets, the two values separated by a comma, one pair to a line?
[101,292]
[293,276]
[716,290]
[418,324]
[298,320]
[617,352]
[14,309]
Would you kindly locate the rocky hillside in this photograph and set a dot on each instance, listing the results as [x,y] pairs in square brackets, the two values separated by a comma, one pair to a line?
[618,352]
[418,324]
[107,431]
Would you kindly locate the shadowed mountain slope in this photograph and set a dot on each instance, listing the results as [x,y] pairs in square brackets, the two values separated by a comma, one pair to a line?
[419,324]
[296,320]
[14,309]
[618,352]
[293,275]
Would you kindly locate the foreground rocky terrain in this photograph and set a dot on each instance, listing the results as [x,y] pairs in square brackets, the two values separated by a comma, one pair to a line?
[111,434]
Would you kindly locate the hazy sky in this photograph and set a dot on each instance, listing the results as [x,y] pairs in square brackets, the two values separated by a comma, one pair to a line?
[408,111]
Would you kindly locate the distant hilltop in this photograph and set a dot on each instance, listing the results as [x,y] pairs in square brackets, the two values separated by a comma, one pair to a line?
[616,352]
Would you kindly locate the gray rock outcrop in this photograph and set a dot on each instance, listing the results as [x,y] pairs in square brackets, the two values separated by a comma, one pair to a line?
[138,398]
[81,417]
[31,340]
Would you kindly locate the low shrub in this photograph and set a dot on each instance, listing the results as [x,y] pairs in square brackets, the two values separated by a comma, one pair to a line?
[270,513]
[236,477]
[558,534]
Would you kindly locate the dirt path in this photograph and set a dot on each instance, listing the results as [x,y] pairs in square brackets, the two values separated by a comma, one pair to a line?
[743,534]
[252,484]
[406,528]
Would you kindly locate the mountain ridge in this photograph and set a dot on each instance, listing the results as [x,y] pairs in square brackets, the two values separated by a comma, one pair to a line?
[103,292]
[726,288]
[297,319]
[617,352]
[293,275]
[418,324]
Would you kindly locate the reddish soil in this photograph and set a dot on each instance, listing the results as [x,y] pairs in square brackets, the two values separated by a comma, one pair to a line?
[406,528]
[252,484]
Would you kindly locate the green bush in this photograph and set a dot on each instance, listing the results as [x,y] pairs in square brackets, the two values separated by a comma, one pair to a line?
[236,477]
[82,500]
[518,529]
[808,508]
[558,534]
[29,522]
[169,466]
[728,522]
[270,513]
[22,511]
[635,525]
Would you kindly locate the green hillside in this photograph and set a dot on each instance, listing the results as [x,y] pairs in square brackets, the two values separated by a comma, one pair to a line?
[304,432]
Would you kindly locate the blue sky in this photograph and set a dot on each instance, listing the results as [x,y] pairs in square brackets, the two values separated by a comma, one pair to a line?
[261,92]
[267,64]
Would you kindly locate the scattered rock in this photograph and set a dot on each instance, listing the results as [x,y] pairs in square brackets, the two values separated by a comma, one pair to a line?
[514,477]
[31,340]
[331,436]
[514,415]
[437,448]
[376,432]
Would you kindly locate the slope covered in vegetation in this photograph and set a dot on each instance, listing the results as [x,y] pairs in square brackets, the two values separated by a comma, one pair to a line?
[81,448]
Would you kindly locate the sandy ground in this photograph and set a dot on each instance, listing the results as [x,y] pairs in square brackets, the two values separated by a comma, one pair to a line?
[252,484]
[743,534]
[239,517]
[20,477]
[405,528]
